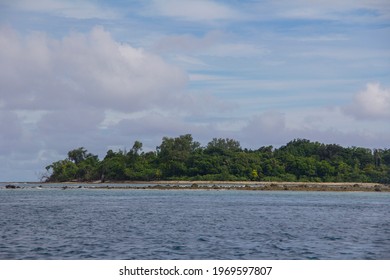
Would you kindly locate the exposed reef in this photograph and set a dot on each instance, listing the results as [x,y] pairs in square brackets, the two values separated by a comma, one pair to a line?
[252,186]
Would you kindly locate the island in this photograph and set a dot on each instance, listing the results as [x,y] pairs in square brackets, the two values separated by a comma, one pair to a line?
[299,165]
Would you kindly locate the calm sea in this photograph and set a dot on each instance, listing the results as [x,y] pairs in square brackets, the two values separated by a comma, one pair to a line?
[192,224]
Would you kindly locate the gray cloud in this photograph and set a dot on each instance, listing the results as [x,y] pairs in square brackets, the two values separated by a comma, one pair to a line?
[11,131]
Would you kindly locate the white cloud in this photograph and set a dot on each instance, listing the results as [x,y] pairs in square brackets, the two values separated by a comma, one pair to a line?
[190,62]
[372,103]
[187,42]
[65,8]
[268,128]
[150,128]
[322,38]
[277,128]
[214,43]
[237,50]
[90,70]
[349,11]
[54,94]
[194,10]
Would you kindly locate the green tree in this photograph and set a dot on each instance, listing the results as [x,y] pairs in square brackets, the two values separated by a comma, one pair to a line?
[224,159]
[88,169]
[77,155]
[174,154]
[137,147]
[113,167]
[62,170]
[222,146]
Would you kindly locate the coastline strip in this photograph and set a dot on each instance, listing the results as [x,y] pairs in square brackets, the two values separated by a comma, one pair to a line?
[210,185]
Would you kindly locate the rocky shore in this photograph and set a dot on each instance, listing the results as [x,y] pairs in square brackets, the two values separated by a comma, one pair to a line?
[255,186]
[213,185]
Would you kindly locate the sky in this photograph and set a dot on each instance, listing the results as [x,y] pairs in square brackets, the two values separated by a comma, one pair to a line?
[103,74]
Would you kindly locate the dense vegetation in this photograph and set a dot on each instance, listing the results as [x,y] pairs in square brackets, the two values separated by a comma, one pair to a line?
[224,159]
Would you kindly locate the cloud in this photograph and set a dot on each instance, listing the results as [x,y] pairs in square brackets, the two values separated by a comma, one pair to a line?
[194,10]
[188,43]
[151,127]
[11,131]
[238,50]
[56,89]
[83,70]
[371,104]
[266,129]
[71,120]
[65,8]
[214,43]
[54,94]
[16,139]
[275,128]
[347,11]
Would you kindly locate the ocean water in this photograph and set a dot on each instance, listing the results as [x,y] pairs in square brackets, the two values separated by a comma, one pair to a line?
[192,224]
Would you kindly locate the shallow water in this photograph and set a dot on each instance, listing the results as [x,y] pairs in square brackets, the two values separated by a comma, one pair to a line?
[192,224]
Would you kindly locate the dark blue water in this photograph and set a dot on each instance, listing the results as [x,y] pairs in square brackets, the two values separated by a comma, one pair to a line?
[155,224]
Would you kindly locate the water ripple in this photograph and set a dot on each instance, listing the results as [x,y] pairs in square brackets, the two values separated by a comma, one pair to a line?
[144,224]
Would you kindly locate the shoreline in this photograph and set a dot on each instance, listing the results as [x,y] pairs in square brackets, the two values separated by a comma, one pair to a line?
[261,186]
[229,185]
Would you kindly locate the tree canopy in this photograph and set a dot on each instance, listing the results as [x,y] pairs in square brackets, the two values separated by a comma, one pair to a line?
[182,158]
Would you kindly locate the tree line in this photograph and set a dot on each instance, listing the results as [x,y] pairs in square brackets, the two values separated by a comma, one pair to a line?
[182,158]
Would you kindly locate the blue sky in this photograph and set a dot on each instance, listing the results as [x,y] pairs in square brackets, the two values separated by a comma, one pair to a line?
[102,74]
